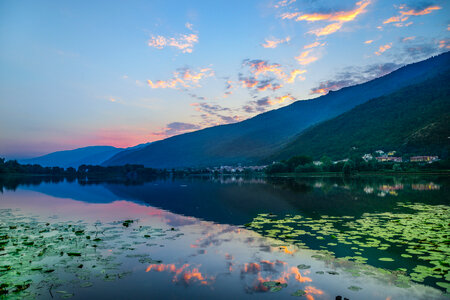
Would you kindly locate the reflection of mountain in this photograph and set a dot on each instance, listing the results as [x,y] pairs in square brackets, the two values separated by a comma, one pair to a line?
[238,203]
[92,193]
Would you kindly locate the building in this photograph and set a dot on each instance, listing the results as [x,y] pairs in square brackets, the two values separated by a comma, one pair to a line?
[367,157]
[380,152]
[428,159]
[389,158]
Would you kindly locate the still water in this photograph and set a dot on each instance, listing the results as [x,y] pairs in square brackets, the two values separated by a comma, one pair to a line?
[227,238]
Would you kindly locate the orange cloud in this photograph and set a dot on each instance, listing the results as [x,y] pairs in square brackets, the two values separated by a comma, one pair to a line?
[304,58]
[294,74]
[409,38]
[183,42]
[329,29]
[339,18]
[422,12]
[281,99]
[183,77]
[249,82]
[313,45]
[262,67]
[259,67]
[383,48]
[395,19]
[275,43]
[444,44]
[404,15]
[368,42]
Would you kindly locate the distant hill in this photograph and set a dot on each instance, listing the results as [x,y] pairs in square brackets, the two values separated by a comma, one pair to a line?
[412,120]
[93,155]
[257,138]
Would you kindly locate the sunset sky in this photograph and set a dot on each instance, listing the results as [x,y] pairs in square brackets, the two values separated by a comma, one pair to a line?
[121,73]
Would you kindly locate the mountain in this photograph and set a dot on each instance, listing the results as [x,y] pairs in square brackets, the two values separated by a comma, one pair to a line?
[414,120]
[93,155]
[254,139]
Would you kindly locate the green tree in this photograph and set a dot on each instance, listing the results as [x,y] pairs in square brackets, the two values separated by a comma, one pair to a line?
[349,167]
[298,160]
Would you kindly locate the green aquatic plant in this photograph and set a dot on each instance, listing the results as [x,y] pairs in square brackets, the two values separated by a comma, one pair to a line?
[417,236]
[40,256]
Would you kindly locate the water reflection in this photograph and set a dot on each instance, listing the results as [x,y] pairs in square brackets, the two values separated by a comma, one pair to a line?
[187,256]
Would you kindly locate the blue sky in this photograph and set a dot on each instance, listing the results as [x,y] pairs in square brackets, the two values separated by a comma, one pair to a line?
[80,73]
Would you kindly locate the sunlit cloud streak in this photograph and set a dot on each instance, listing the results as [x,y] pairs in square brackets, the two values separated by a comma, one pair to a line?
[183,77]
[271,72]
[444,44]
[273,43]
[383,48]
[406,12]
[368,42]
[339,18]
[305,58]
[314,45]
[183,42]
[354,75]
[329,29]
[408,38]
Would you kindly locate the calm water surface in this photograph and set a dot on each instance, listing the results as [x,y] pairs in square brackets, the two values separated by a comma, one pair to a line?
[227,238]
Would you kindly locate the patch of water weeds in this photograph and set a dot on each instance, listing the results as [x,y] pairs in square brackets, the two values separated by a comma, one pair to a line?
[45,259]
[416,245]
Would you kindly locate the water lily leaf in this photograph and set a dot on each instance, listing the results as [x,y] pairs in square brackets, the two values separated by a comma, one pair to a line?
[299,293]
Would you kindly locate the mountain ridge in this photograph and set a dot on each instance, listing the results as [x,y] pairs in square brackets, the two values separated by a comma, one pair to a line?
[254,139]
[414,120]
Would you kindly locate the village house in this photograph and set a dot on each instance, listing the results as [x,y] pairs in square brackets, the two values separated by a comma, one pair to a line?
[426,158]
[389,158]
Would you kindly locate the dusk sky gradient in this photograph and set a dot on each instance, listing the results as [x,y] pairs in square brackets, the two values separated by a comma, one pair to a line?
[121,73]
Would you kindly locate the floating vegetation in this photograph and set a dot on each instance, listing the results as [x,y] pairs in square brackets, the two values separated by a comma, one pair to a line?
[417,242]
[42,259]
[303,267]
[274,286]
[299,293]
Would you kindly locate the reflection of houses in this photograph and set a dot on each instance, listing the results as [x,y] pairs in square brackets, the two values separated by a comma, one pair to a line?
[388,188]
[425,186]
[428,159]
[389,158]
[340,161]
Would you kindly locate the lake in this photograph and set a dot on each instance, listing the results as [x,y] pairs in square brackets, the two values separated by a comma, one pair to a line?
[227,237]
